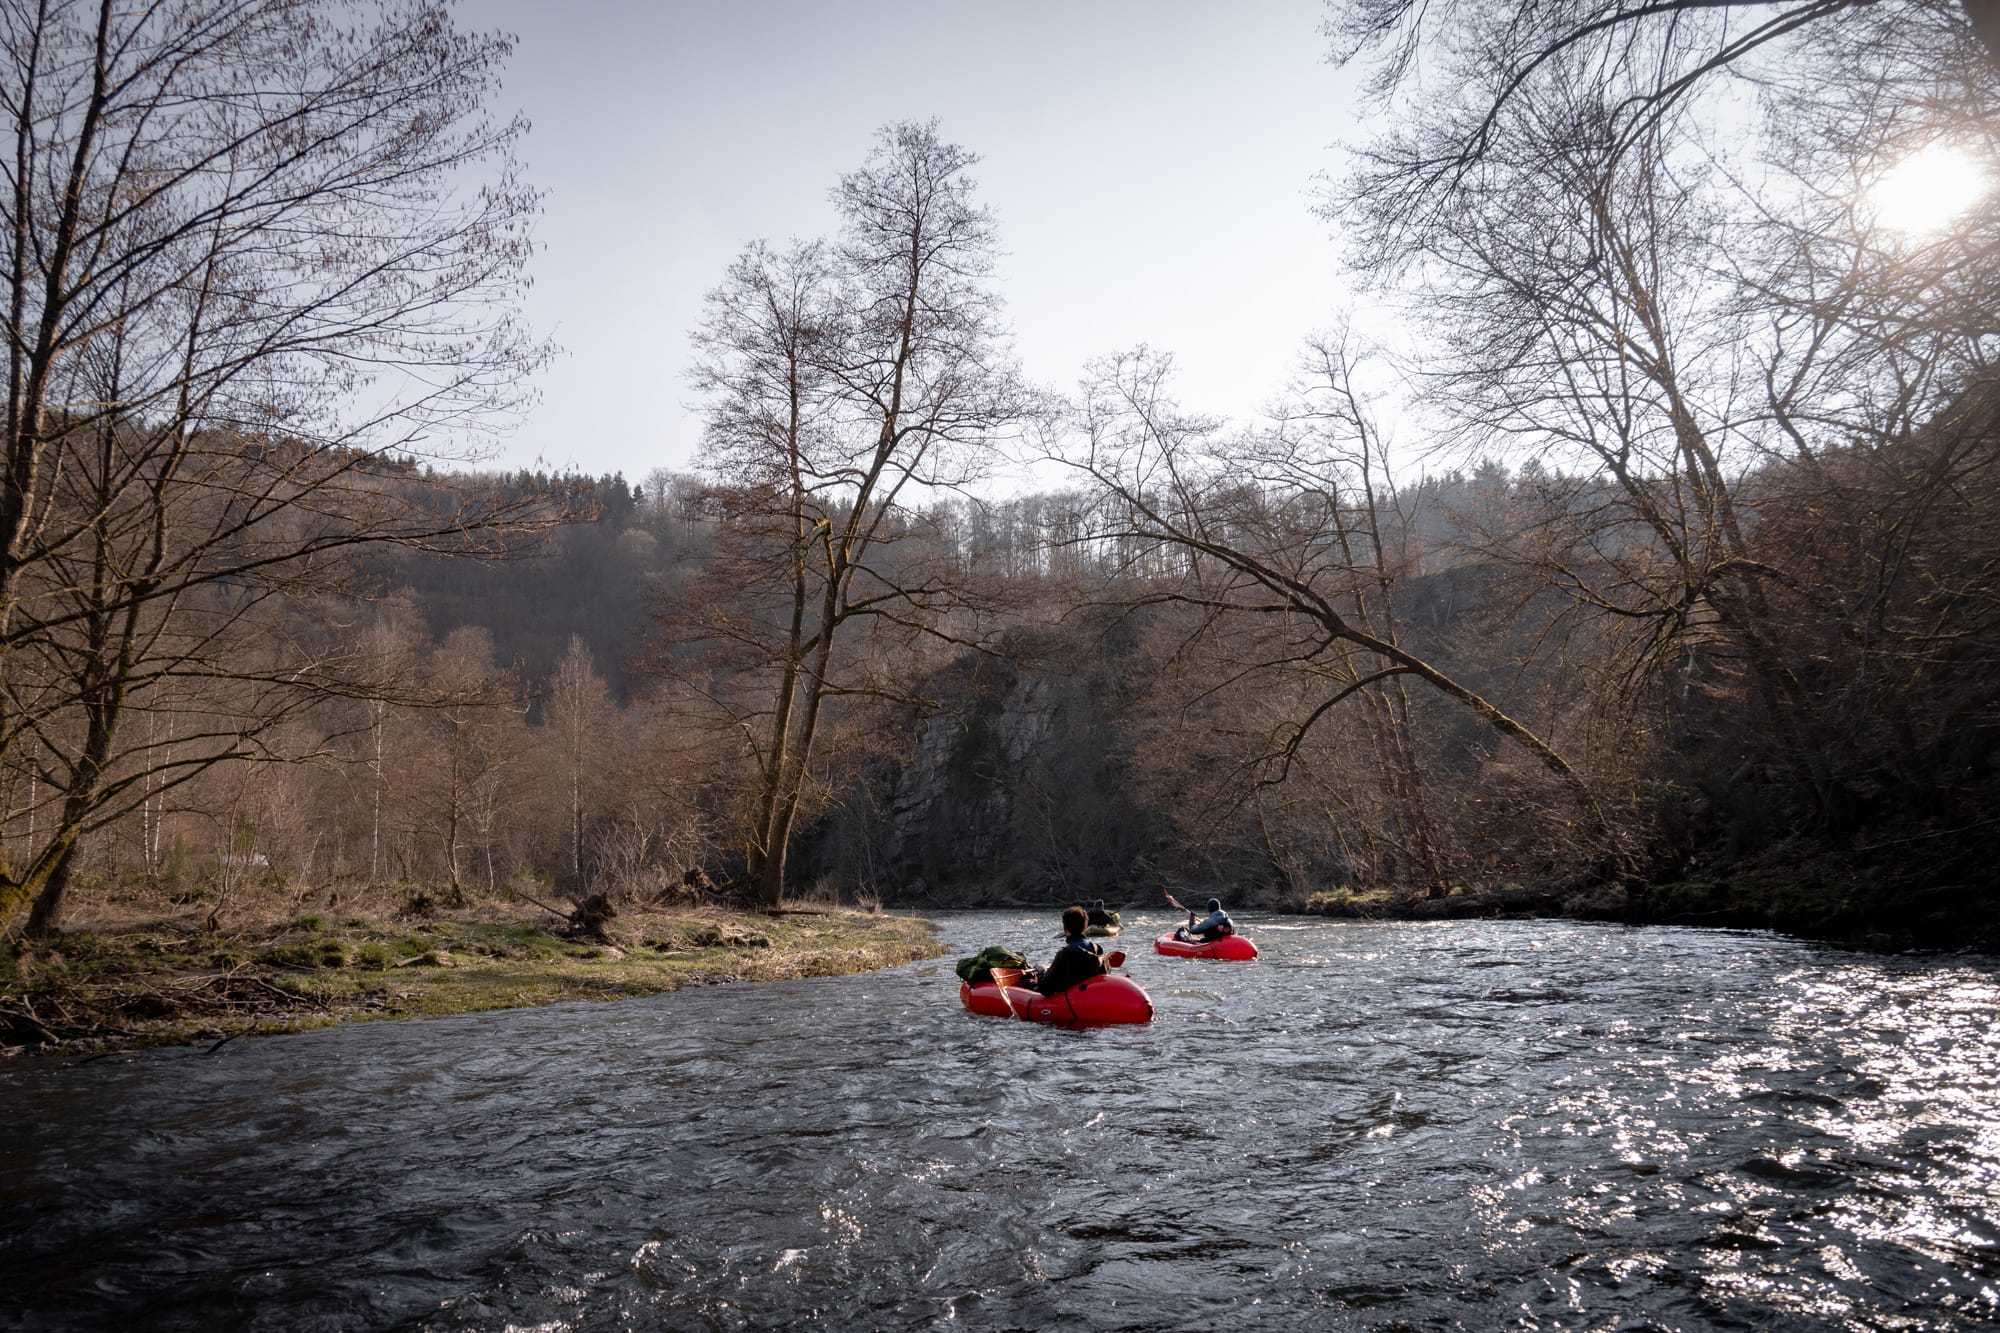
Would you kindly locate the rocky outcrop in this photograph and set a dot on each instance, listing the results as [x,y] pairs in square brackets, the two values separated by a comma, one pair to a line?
[1017,788]
[965,773]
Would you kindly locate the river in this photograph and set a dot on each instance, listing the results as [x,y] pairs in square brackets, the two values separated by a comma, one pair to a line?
[1464,1125]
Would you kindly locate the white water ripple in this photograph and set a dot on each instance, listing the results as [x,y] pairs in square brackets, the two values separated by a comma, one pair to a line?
[1454,1126]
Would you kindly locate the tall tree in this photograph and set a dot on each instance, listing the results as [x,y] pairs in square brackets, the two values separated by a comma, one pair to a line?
[248,258]
[1266,532]
[470,748]
[846,382]
[1698,324]
[577,713]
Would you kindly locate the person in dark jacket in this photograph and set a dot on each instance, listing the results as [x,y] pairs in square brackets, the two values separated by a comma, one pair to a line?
[1211,927]
[1079,959]
[1099,915]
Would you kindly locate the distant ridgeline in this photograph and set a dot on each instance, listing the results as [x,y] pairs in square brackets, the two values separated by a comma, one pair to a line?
[602,576]
[592,579]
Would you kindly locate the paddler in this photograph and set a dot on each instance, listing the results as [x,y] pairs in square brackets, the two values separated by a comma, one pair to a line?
[1078,960]
[1211,927]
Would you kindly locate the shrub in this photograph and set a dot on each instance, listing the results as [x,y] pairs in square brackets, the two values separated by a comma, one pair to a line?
[321,953]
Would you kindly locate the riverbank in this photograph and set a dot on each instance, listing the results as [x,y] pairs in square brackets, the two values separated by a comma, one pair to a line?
[171,982]
[1885,902]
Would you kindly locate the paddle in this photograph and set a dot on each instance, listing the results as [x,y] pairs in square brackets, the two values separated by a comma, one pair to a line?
[1005,979]
[1116,958]
[1191,916]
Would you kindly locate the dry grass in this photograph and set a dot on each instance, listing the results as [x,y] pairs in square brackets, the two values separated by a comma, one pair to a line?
[151,979]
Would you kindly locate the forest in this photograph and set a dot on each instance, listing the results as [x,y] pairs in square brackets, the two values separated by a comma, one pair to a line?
[1657,578]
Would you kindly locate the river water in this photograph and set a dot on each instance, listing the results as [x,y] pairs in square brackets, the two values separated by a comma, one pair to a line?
[1466,1125]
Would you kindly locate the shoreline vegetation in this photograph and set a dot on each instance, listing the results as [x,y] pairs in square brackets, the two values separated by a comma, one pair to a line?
[1925,906]
[132,979]
[118,985]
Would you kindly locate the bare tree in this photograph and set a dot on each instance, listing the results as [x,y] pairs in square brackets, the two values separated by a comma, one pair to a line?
[578,710]
[845,383]
[1258,537]
[1329,454]
[1471,64]
[244,276]
[1693,337]
[469,750]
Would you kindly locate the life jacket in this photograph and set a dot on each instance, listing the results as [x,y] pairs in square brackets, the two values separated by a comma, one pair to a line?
[1077,961]
[1213,926]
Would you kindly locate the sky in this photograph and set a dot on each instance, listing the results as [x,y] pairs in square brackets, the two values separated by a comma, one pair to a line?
[1151,164]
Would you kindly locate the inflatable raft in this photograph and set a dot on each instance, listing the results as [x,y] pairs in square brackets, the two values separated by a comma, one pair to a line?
[1103,932]
[1228,949]
[1093,1003]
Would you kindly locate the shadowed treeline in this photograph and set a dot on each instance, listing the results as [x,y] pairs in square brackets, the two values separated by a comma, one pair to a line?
[1109,734]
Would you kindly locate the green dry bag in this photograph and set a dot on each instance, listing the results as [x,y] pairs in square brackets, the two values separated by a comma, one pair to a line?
[980,966]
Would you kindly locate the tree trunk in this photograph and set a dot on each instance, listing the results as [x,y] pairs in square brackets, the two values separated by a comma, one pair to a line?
[45,917]
[375,804]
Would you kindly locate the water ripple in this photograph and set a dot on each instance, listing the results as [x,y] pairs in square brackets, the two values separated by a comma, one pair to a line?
[1450,1126]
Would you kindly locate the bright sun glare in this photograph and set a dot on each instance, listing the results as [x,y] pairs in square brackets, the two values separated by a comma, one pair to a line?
[1929,189]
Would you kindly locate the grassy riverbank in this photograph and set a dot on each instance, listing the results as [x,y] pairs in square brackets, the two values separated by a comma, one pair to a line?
[168,982]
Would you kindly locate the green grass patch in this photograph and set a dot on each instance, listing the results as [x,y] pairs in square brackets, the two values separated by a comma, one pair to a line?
[117,991]
[1345,900]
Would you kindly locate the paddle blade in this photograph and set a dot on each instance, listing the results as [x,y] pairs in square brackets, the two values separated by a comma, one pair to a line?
[1116,958]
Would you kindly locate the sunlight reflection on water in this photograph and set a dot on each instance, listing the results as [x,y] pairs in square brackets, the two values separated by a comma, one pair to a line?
[1470,1125]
